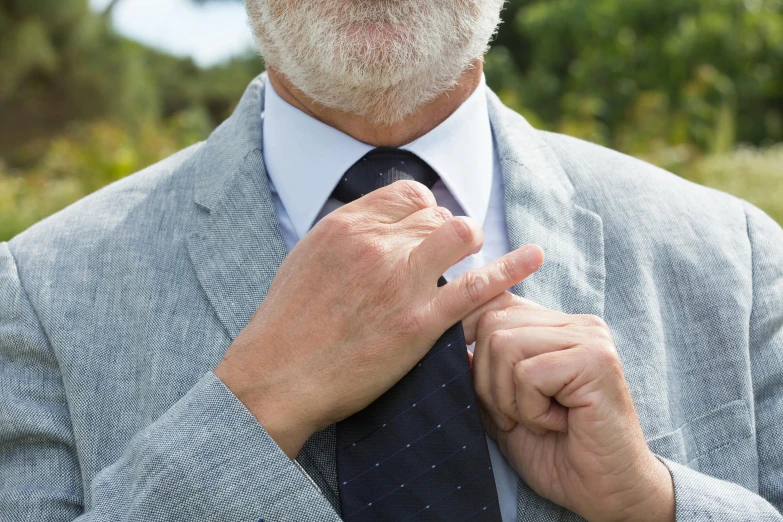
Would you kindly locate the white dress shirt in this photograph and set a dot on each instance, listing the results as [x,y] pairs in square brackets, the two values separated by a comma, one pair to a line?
[306,158]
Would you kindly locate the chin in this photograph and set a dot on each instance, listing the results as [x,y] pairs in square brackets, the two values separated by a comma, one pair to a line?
[376,33]
[380,59]
[375,46]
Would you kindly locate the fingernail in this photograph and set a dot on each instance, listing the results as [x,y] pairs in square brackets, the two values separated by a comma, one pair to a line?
[534,257]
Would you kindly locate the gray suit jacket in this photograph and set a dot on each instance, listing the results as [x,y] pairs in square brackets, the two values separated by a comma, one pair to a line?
[114,311]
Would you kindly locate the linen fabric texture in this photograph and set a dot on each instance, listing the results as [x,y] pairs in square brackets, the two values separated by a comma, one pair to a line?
[114,311]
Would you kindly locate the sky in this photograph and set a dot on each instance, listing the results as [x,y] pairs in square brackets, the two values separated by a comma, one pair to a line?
[208,33]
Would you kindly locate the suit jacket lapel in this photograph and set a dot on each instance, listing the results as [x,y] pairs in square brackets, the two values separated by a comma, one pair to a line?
[238,248]
[541,209]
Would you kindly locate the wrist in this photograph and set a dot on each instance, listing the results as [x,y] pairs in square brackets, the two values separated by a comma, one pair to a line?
[655,502]
[289,433]
[277,416]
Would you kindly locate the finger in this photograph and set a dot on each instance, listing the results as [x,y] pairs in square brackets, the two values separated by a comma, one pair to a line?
[473,289]
[425,221]
[508,347]
[392,203]
[544,385]
[498,435]
[483,375]
[532,341]
[539,412]
[446,246]
[505,300]
[471,321]
[521,316]
[523,313]
[489,424]
[503,357]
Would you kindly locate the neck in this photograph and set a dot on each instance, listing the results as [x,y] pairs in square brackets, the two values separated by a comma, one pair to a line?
[414,126]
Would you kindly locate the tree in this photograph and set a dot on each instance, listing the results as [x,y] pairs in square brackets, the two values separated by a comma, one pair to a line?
[680,71]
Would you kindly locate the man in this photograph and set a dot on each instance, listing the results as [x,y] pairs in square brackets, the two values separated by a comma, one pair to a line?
[257,327]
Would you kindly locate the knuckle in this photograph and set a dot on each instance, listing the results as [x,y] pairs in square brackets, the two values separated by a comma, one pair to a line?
[603,335]
[537,419]
[612,366]
[483,392]
[489,321]
[523,311]
[604,356]
[509,270]
[334,224]
[596,331]
[594,343]
[592,320]
[374,248]
[497,343]
[464,229]
[434,217]
[473,287]
[413,320]
[442,214]
[528,418]
[521,375]
[507,406]
[512,301]
[527,304]
[414,192]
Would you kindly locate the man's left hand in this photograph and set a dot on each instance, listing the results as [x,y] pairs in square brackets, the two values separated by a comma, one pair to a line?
[554,396]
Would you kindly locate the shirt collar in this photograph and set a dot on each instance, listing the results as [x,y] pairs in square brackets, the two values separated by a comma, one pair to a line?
[306,158]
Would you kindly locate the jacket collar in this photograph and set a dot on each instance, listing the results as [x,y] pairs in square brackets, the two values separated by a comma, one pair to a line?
[237,248]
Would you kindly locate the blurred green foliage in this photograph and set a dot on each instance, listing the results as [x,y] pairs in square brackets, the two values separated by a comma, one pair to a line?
[695,86]
[646,73]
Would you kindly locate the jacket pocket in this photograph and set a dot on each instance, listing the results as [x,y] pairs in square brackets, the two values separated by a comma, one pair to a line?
[705,434]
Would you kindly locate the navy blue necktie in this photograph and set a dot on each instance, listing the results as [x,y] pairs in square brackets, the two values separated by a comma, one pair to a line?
[419,451]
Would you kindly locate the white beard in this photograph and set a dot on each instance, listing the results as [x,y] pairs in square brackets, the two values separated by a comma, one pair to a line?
[379,59]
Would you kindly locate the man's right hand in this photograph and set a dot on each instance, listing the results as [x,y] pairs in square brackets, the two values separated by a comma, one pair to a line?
[355,306]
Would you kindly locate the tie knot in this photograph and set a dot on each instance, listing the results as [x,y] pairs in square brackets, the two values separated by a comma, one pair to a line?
[381,167]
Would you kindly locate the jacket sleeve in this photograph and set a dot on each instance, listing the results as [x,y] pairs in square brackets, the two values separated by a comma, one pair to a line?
[701,497]
[205,459]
